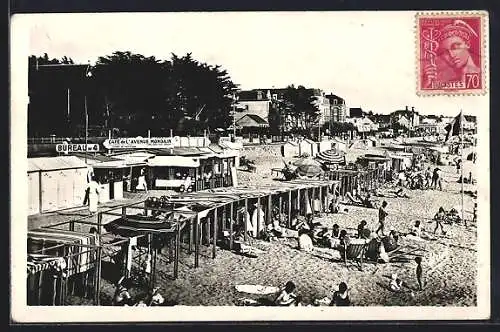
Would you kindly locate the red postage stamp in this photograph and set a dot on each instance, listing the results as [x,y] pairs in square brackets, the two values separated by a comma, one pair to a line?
[451,53]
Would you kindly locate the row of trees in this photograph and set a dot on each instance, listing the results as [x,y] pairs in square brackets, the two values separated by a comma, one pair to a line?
[128,91]
[131,93]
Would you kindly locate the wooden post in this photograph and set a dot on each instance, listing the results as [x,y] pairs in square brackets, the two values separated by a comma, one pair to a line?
[280,198]
[177,249]
[208,227]
[214,244]
[191,234]
[313,198]
[99,224]
[299,203]
[289,224]
[224,218]
[245,219]
[98,285]
[269,208]
[258,215]
[321,199]
[231,226]
[197,242]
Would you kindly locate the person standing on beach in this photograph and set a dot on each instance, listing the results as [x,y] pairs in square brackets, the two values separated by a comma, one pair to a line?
[93,189]
[418,271]
[428,178]
[382,214]
[439,218]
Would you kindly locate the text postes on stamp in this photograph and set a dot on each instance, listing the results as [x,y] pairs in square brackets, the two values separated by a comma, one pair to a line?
[451,54]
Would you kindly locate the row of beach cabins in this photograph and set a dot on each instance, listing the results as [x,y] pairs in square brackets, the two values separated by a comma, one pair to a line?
[66,260]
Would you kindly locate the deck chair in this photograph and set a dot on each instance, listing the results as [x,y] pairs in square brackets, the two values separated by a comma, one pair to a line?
[355,252]
[372,250]
[352,201]
[402,251]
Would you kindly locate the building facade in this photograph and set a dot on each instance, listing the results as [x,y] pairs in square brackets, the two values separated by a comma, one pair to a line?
[407,118]
[338,108]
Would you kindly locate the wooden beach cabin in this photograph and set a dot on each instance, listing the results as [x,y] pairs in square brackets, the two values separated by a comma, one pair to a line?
[55,183]
[372,161]
[308,147]
[339,144]
[135,162]
[290,149]
[324,145]
[111,176]
[192,168]
[401,161]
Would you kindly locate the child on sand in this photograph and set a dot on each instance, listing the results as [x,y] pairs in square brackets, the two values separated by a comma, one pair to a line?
[416,229]
[286,297]
[418,260]
[341,297]
[396,284]
[363,233]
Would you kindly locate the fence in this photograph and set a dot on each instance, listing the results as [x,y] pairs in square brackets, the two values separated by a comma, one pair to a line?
[366,180]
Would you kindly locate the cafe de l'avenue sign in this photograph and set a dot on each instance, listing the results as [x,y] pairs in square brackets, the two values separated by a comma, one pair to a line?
[142,143]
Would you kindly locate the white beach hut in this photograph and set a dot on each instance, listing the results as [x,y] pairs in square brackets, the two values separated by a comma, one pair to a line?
[55,183]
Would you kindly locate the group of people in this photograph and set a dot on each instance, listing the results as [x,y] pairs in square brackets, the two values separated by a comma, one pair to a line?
[287,297]
[122,295]
[415,178]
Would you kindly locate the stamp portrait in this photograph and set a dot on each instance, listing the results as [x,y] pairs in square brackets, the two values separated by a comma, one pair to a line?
[451,56]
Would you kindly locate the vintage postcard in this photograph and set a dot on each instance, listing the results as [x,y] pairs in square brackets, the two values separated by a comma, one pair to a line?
[295,165]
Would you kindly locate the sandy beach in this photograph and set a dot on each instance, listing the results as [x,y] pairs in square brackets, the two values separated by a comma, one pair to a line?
[449,262]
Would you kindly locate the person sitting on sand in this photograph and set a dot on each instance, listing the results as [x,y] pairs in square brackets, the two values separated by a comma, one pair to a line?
[323,237]
[341,297]
[122,296]
[401,193]
[336,231]
[361,228]
[343,242]
[344,238]
[286,298]
[335,208]
[416,230]
[395,284]
[305,240]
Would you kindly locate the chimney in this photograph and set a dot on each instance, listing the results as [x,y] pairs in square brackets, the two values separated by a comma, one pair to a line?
[413,109]
[406,108]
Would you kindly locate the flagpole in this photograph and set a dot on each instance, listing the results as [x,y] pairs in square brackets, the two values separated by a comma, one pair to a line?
[462,163]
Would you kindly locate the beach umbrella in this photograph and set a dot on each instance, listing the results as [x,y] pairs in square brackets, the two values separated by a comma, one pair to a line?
[306,162]
[331,157]
[309,170]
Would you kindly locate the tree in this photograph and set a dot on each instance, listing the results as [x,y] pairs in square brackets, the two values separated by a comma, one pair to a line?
[301,109]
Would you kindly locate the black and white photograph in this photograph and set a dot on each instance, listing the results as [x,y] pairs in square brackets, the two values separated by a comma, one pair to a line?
[295,165]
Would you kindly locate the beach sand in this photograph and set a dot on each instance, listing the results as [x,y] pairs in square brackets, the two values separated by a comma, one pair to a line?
[449,263]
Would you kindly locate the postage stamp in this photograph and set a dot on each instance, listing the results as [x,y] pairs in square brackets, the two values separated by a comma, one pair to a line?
[451,53]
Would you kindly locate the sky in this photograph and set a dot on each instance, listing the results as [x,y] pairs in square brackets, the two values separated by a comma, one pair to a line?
[367,58]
